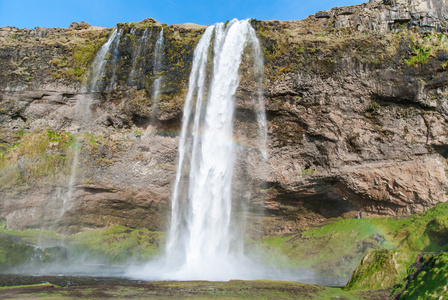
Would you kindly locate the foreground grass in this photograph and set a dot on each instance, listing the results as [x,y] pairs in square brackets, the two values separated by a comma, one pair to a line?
[234,289]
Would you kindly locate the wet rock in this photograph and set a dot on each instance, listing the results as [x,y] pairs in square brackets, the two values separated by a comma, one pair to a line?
[443,56]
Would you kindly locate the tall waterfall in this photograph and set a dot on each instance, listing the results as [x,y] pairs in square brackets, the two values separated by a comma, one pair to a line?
[201,242]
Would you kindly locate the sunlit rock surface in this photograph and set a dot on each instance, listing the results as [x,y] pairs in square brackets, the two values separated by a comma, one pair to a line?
[356,108]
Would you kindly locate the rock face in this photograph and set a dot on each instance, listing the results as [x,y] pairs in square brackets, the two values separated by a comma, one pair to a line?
[356,101]
[386,15]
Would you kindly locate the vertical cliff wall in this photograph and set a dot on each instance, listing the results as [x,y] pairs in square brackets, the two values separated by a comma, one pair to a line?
[356,107]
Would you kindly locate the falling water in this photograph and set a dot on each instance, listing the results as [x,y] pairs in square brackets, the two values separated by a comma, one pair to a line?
[98,67]
[113,60]
[83,111]
[141,45]
[201,242]
[158,67]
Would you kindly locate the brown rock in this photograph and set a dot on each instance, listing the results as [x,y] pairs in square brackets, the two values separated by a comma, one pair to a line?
[79,26]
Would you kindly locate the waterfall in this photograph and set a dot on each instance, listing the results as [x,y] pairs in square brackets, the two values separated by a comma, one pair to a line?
[113,61]
[158,67]
[98,66]
[201,243]
[141,45]
[82,108]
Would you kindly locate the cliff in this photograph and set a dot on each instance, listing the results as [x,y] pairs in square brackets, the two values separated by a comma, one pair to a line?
[355,100]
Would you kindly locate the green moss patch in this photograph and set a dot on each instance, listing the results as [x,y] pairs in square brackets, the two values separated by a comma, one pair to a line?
[426,46]
[112,245]
[428,279]
[335,250]
[381,269]
[13,253]
[117,244]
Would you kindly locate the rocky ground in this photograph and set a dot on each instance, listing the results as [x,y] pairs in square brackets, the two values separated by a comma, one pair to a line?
[234,289]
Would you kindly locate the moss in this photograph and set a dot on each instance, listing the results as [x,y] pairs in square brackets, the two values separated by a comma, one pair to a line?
[335,249]
[309,171]
[112,245]
[428,279]
[74,67]
[372,111]
[117,244]
[421,57]
[352,143]
[381,269]
[13,253]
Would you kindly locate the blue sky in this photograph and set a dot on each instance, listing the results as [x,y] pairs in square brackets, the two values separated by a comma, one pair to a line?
[60,13]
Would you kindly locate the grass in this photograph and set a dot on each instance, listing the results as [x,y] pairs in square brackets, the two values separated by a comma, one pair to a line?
[332,250]
[46,158]
[27,285]
[35,159]
[70,64]
[426,46]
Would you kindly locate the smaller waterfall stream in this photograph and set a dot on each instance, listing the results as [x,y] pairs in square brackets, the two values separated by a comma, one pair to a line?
[83,112]
[158,67]
[141,45]
[98,67]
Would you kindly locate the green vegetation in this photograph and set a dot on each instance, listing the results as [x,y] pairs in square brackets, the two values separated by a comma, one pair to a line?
[381,269]
[112,245]
[234,289]
[46,157]
[428,279]
[35,159]
[334,250]
[426,47]
[389,246]
[16,247]
[13,253]
[83,51]
[117,244]
[421,57]
[309,171]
